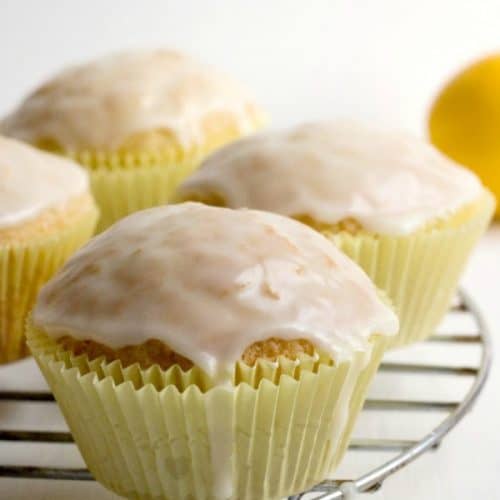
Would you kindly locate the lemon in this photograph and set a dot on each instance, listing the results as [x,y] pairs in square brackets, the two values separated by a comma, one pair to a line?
[464,122]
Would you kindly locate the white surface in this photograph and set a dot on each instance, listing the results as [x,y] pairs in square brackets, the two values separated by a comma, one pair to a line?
[380,61]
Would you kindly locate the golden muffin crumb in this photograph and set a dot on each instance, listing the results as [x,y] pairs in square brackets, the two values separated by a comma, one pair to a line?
[218,128]
[273,348]
[155,352]
[50,221]
[351,225]
[348,225]
[151,352]
[211,199]
[450,221]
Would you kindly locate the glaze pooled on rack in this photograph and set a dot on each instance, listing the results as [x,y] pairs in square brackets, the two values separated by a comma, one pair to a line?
[331,172]
[32,181]
[208,282]
[99,105]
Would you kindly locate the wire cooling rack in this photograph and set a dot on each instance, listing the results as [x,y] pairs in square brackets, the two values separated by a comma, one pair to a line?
[402,451]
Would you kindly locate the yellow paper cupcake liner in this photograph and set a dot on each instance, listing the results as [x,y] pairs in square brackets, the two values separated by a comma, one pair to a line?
[419,273]
[125,182]
[278,429]
[24,268]
[120,192]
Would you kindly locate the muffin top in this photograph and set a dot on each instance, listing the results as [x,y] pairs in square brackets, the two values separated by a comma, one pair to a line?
[332,172]
[100,105]
[208,282]
[32,181]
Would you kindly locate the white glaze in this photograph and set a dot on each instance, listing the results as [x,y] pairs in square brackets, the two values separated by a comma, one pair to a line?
[100,104]
[209,282]
[389,183]
[32,181]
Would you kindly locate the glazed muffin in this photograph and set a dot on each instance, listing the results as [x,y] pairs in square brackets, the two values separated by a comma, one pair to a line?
[201,352]
[405,213]
[139,121]
[46,213]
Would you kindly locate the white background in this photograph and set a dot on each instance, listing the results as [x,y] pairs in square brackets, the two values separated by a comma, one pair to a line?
[381,61]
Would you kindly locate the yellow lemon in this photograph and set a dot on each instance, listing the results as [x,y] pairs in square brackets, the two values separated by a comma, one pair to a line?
[464,121]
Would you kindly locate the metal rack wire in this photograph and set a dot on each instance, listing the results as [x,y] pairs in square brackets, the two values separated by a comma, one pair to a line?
[404,450]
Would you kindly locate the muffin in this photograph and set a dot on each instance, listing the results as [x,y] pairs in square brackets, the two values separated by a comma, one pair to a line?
[46,213]
[140,122]
[404,212]
[201,352]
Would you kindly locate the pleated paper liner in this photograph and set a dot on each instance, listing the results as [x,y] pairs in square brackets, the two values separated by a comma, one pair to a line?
[24,269]
[122,192]
[419,272]
[277,430]
[125,182]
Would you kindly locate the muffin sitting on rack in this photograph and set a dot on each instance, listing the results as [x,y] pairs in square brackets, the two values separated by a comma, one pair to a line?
[46,213]
[208,353]
[404,212]
[139,121]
